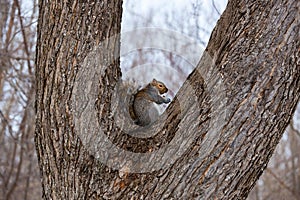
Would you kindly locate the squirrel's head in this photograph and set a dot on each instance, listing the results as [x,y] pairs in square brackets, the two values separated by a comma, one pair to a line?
[160,86]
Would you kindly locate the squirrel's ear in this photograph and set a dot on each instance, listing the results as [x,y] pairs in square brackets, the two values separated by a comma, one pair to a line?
[154,81]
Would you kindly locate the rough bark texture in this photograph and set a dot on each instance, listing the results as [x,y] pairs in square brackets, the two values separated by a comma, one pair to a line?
[231,112]
[67,32]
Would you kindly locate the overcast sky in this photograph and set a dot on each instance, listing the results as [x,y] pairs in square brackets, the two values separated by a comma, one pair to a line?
[165,12]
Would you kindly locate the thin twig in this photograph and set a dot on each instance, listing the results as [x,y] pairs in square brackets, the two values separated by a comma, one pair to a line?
[215,7]
[281,182]
[24,37]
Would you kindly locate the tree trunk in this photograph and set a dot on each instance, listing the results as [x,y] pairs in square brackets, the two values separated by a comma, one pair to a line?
[214,140]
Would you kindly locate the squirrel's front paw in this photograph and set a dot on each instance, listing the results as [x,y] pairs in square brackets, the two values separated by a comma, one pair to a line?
[168,100]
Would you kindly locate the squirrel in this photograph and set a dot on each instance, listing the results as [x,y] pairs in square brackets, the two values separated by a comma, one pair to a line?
[141,107]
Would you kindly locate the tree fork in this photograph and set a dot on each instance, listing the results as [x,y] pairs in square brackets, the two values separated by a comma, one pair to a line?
[258,63]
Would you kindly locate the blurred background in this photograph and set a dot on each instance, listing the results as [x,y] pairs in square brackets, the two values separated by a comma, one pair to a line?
[193,19]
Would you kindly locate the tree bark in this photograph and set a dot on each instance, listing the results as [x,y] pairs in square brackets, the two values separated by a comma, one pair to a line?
[214,140]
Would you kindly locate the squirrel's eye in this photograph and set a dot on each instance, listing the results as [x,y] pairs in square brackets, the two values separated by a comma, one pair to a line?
[160,85]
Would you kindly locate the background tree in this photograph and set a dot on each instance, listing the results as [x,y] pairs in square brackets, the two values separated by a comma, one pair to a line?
[19,175]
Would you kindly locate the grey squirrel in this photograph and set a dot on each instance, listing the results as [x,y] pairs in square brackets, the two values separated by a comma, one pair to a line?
[142,104]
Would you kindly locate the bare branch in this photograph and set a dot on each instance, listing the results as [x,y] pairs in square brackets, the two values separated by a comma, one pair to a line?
[215,7]
[281,182]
